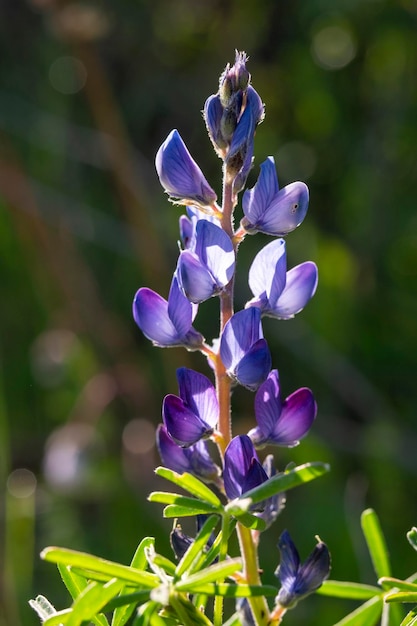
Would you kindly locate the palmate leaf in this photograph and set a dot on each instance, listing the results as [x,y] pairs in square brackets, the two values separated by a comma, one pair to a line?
[213,573]
[190,483]
[347,589]
[95,564]
[375,540]
[287,480]
[367,614]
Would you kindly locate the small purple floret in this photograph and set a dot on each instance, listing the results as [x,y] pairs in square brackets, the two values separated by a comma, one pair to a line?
[300,579]
[279,293]
[180,175]
[166,323]
[194,414]
[243,349]
[242,469]
[281,423]
[270,210]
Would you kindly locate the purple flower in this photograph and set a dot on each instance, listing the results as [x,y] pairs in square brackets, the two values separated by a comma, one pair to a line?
[167,323]
[279,293]
[270,210]
[242,469]
[300,579]
[180,175]
[195,460]
[281,423]
[243,350]
[193,415]
[207,265]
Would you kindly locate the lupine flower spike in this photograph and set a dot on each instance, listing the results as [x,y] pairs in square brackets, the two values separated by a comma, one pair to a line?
[281,423]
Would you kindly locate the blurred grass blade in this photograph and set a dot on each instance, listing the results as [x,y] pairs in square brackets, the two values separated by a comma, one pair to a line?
[198,546]
[123,613]
[375,540]
[287,480]
[218,571]
[367,614]
[345,589]
[191,484]
[93,563]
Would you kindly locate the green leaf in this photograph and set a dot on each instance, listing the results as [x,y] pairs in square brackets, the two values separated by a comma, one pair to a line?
[213,553]
[147,615]
[218,571]
[91,601]
[403,585]
[346,589]
[239,509]
[198,547]
[163,563]
[234,620]
[177,510]
[76,583]
[227,590]
[122,613]
[189,614]
[402,596]
[411,618]
[287,480]
[412,537]
[60,617]
[91,563]
[365,615]
[376,543]
[191,484]
[175,499]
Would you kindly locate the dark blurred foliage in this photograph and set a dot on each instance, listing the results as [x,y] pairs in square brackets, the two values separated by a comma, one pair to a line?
[88,91]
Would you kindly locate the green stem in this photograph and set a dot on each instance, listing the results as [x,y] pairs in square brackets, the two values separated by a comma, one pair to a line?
[259,606]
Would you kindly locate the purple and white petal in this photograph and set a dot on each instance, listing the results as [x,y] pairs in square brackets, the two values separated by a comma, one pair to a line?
[182,424]
[237,462]
[199,394]
[254,367]
[180,175]
[286,211]
[194,279]
[300,287]
[267,409]
[255,201]
[150,312]
[215,249]
[239,334]
[298,413]
[267,274]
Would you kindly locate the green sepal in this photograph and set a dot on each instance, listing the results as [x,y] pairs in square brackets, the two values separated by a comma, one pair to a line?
[347,589]
[287,480]
[412,537]
[365,615]
[197,548]
[411,618]
[190,483]
[375,540]
[213,573]
[95,564]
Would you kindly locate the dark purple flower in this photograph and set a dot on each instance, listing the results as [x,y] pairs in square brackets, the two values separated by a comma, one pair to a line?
[195,460]
[180,175]
[213,115]
[279,293]
[243,350]
[167,323]
[180,542]
[281,423]
[193,415]
[300,579]
[270,210]
[242,469]
[208,264]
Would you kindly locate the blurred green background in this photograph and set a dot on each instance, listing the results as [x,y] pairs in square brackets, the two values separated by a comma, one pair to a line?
[88,91]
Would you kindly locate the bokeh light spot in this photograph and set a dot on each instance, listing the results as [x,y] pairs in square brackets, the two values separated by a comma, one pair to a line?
[67,75]
[333,47]
[21,483]
[139,436]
